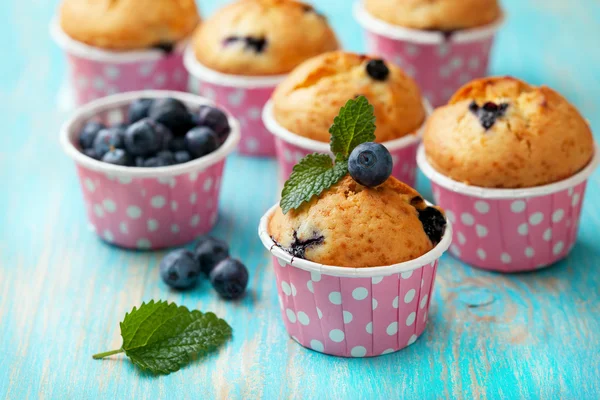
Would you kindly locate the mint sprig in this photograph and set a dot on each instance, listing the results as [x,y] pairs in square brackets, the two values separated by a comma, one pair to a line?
[161,337]
[355,124]
[313,174]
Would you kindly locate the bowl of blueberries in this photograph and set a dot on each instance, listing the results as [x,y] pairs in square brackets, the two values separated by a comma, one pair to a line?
[150,165]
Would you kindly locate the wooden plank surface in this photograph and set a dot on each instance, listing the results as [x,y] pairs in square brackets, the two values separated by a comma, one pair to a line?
[63,292]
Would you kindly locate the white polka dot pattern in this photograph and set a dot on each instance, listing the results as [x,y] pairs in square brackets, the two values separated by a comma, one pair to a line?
[354,317]
[94,79]
[245,104]
[511,235]
[151,213]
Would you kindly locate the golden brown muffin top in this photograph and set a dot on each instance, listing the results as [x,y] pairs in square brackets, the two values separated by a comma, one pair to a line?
[350,225]
[262,37]
[501,132]
[128,24]
[308,100]
[441,15]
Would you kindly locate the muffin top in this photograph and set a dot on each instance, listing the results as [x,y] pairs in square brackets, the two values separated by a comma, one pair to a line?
[501,132]
[350,225]
[262,37]
[307,101]
[440,15]
[128,24]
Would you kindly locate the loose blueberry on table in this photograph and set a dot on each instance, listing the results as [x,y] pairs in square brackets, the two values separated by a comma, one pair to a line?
[181,268]
[159,133]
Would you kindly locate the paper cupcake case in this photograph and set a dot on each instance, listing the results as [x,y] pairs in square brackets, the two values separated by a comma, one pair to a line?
[352,312]
[96,73]
[244,97]
[440,64]
[291,148]
[509,230]
[147,208]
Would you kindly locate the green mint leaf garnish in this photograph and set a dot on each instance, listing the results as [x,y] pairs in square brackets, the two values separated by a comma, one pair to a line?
[355,124]
[313,174]
[161,337]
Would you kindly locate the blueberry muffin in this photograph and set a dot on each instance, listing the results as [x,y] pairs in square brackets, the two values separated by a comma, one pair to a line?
[262,37]
[501,132]
[439,15]
[350,225]
[312,95]
[129,24]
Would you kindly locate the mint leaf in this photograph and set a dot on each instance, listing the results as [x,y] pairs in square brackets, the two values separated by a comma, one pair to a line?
[355,124]
[313,174]
[161,337]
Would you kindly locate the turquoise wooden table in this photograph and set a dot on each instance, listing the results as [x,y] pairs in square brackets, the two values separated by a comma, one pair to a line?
[63,291]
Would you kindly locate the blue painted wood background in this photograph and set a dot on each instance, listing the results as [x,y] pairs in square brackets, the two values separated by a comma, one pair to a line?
[63,292]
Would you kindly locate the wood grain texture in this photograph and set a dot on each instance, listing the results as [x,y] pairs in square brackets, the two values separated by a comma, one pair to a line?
[63,292]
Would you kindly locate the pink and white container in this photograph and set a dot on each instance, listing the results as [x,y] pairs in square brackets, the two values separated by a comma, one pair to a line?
[96,73]
[243,96]
[439,63]
[354,312]
[147,208]
[291,148]
[511,230]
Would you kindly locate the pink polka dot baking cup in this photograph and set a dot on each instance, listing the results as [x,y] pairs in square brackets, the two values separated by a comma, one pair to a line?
[96,73]
[147,208]
[511,230]
[354,312]
[243,96]
[291,148]
[439,63]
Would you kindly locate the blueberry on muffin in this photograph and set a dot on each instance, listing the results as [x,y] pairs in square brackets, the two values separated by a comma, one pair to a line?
[501,132]
[262,37]
[439,15]
[306,102]
[129,24]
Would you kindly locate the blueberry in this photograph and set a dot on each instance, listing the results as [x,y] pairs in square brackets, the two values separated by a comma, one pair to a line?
[117,157]
[434,223]
[165,135]
[173,114]
[378,70]
[256,44]
[165,47]
[179,270]
[214,119]
[121,125]
[139,110]
[370,164]
[209,252]
[182,156]
[107,139]
[201,141]
[139,161]
[154,162]
[177,144]
[166,157]
[488,113]
[229,278]
[89,133]
[144,138]
[91,153]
